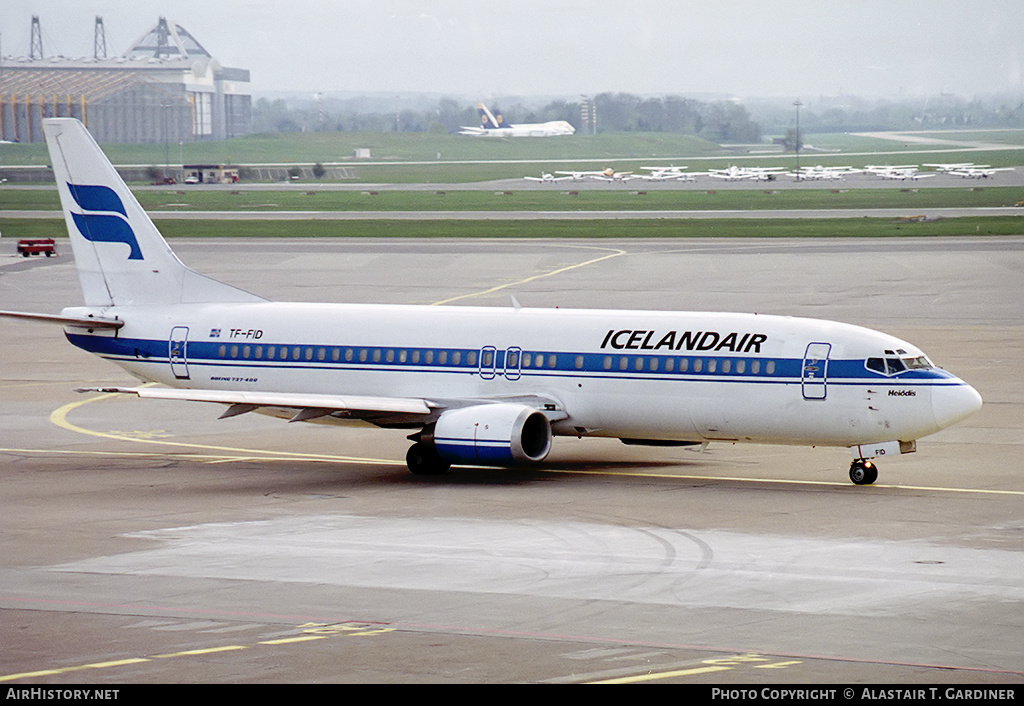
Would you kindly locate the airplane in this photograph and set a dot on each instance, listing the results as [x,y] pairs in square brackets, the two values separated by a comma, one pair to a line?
[746,173]
[945,167]
[492,126]
[608,174]
[820,173]
[904,174]
[668,174]
[546,177]
[899,172]
[980,171]
[479,386]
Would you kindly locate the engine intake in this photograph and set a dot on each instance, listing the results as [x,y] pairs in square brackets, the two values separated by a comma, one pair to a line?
[493,434]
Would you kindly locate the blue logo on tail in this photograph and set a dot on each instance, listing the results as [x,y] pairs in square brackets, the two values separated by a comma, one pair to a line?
[101,228]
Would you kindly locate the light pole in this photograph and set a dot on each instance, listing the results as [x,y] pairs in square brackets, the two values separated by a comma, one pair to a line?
[797,104]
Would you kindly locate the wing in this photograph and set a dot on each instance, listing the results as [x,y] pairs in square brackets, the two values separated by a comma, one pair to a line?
[297,407]
[409,412]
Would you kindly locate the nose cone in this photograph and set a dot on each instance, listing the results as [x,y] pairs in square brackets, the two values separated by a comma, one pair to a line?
[953,403]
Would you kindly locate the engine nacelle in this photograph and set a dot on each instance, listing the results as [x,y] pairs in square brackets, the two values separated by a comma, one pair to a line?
[493,435]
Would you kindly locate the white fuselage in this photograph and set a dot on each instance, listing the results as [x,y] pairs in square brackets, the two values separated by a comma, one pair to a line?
[548,129]
[628,374]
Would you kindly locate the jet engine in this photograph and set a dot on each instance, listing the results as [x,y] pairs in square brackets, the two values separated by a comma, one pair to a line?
[492,434]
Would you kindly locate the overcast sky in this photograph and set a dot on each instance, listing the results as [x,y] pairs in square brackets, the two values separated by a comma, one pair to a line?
[481,48]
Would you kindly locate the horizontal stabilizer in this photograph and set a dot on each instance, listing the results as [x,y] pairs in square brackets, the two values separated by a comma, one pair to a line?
[83,321]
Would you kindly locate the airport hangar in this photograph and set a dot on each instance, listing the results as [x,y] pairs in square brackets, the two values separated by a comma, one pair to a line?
[164,88]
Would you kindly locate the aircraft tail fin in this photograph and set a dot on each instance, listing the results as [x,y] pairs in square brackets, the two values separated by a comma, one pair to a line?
[121,257]
[487,119]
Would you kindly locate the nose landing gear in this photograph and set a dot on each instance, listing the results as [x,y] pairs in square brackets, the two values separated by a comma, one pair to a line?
[863,472]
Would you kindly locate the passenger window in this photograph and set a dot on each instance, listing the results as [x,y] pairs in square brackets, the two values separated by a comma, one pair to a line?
[684,364]
[769,367]
[552,361]
[513,360]
[456,357]
[579,362]
[741,367]
[698,365]
[607,362]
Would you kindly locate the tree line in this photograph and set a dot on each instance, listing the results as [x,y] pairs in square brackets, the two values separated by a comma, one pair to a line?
[718,121]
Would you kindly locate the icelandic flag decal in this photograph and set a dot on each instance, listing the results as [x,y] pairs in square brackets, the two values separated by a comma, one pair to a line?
[101,227]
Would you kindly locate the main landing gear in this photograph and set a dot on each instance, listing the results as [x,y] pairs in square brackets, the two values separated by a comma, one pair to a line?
[863,472]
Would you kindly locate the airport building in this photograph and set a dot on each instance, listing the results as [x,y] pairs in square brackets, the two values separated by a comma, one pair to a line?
[165,88]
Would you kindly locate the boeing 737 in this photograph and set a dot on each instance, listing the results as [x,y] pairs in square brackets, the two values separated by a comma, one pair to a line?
[491,126]
[480,385]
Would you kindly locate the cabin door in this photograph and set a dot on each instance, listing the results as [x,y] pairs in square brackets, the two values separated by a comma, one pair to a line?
[488,362]
[513,356]
[176,348]
[814,378]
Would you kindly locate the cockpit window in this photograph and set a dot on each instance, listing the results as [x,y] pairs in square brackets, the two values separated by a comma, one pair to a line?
[921,362]
[895,365]
[892,365]
[876,364]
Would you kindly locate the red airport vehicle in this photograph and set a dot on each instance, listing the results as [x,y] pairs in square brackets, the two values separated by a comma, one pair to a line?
[37,246]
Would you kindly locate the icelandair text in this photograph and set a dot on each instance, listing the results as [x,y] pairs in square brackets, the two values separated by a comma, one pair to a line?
[643,340]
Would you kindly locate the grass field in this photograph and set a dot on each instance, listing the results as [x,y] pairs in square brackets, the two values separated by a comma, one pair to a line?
[556,199]
[521,156]
[455,159]
[331,147]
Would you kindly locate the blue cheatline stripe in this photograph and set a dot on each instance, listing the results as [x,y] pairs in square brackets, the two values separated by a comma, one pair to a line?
[96,198]
[787,371]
